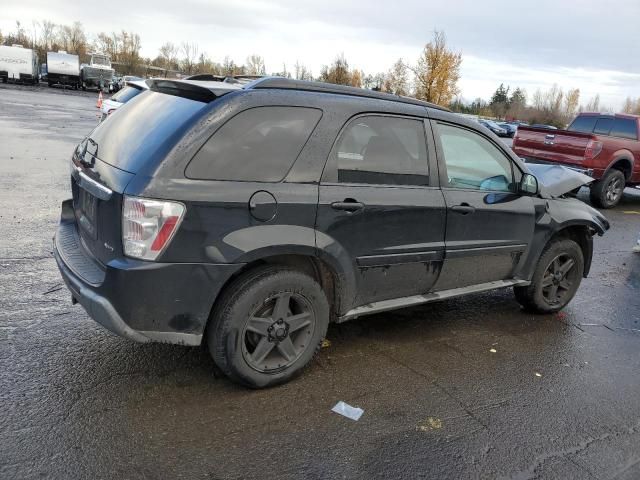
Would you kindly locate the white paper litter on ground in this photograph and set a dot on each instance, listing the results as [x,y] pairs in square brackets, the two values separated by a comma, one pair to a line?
[344,409]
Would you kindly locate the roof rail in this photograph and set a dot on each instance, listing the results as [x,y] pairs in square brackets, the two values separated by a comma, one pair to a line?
[321,87]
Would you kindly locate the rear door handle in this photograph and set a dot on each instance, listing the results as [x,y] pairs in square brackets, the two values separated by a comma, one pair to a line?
[464,209]
[348,205]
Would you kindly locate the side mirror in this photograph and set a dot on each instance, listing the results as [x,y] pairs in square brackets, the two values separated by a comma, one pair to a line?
[529,185]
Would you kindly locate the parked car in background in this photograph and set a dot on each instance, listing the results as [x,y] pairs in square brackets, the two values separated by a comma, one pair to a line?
[130,90]
[114,86]
[602,145]
[494,127]
[509,127]
[43,72]
[18,64]
[256,214]
[63,69]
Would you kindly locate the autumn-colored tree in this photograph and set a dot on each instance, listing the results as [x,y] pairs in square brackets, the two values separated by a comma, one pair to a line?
[190,54]
[338,72]
[437,71]
[571,103]
[255,65]
[168,55]
[396,81]
[356,78]
[632,105]
[73,39]
[301,72]
[594,104]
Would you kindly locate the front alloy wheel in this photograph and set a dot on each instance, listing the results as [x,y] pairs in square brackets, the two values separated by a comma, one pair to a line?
[556,278]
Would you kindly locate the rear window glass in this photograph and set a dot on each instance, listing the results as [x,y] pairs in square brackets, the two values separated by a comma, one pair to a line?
[146,128]
[603,126]
[257,145]
[126,94]
[625,128]
[584,124]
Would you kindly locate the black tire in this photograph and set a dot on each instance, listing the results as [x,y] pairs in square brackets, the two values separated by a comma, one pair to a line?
[607,192]
[245,320]
[546,286]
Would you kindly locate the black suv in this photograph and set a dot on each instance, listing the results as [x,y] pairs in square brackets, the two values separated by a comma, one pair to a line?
[251,216]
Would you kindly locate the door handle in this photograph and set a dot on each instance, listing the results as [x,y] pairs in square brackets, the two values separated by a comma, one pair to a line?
[464,209]
[348,205]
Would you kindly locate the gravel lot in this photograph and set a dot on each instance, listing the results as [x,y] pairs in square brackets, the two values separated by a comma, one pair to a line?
[559,397]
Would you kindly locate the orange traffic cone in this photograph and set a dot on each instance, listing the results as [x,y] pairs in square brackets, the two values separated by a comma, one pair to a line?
[99,104]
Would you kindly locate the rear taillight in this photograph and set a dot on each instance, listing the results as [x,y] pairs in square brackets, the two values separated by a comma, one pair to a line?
[148,226]
[594,147]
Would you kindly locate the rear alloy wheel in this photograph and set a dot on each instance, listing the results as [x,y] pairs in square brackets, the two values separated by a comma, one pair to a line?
[556,279]
[607,192]
[267,326]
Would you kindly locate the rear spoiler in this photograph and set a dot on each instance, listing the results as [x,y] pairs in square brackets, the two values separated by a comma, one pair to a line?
[193,90]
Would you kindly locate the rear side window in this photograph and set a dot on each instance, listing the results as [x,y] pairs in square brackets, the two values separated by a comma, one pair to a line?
[584,124]
[257,145]
[380,150]
[625,128]
[603,126]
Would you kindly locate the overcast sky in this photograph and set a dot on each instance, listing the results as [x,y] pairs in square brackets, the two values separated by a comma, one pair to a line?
[590,44]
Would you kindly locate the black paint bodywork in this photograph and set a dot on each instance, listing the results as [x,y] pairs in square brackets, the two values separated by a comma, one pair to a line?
[405,241]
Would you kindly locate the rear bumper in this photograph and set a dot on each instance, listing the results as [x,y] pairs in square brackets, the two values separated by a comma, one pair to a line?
[141,301]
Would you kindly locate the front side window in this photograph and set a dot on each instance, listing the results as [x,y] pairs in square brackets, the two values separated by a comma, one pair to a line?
[474,162]
[257,145]
[381,150]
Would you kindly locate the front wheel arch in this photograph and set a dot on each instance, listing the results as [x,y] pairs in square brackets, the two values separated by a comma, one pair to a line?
[583,236]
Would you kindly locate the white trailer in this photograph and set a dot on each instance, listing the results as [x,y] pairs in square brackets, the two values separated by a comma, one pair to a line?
[18,64]
[63,68]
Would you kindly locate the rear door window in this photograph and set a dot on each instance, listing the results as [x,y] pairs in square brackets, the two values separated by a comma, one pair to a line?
[603,126]
[380,150]
[257,145]
[625,128]
[584,124]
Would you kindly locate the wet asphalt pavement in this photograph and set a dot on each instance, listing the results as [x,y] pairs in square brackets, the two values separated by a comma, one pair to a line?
[559,398]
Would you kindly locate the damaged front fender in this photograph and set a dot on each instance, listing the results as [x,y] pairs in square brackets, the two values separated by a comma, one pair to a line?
[556,180]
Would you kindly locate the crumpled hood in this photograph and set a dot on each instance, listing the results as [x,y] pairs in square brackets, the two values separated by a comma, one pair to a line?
[557,180]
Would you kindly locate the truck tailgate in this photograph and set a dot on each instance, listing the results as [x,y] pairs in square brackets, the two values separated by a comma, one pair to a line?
[558,146]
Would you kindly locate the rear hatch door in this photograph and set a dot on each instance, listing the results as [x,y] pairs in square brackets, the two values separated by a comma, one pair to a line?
[134,141]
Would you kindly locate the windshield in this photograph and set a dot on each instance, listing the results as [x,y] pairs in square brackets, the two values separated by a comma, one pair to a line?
[126,94]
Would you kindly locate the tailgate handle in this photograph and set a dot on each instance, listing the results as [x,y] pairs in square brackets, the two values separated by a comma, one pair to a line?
[550,136]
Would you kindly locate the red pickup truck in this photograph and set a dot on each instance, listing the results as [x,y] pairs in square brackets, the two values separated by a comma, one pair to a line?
[603,146]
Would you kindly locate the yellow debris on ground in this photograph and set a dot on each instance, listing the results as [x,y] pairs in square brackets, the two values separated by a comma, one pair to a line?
[431,423]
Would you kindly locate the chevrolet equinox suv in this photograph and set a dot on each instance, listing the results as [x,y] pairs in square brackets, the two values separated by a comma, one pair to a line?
[248,217]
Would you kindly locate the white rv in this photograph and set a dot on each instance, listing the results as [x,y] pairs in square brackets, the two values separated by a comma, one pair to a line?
[18,64]
[63,68]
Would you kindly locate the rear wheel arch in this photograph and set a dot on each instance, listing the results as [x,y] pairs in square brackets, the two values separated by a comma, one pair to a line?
[622,163]
[323,273]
